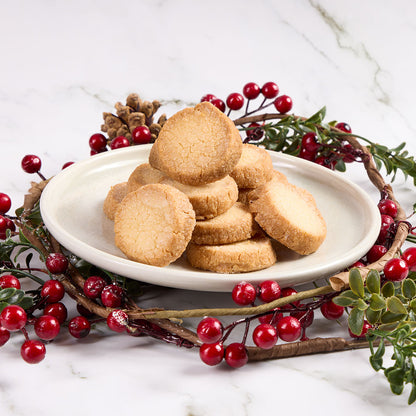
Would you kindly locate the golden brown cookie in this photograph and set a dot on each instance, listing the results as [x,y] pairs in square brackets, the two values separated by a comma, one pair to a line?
[288,214]
[114,197]
[154,224]
[243,256]
[197,145]
[211,199]
[144,174]
[236,224]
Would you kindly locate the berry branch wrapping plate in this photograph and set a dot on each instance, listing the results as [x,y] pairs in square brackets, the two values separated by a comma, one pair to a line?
[71,207]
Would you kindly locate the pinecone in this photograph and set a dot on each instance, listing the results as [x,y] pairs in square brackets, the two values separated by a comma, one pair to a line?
[135,113]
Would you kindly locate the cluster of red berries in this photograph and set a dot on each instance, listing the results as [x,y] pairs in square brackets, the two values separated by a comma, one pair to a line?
[6,223]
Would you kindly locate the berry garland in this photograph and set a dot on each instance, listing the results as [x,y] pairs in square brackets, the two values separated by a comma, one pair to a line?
[378,292]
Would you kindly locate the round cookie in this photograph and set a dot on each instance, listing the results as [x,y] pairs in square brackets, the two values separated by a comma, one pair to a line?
[211,199]
[154,224]
[144,174]
[234,225]
[197,145]
[254,168]
[114,197]
[243,256]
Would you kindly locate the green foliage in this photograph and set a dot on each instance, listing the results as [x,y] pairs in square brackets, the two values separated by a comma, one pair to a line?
[13,296]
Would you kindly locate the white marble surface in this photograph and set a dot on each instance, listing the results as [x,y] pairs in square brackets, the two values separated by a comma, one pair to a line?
[64,63]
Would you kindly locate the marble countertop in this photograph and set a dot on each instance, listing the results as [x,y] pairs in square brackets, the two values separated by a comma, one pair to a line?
[64,63]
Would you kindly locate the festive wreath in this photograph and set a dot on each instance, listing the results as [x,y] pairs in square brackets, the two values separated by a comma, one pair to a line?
[378,292]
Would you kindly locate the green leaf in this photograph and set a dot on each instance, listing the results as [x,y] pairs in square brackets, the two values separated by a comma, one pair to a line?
[356,321]
[396,389]
[380,350]
[412,396]
[356,282]
[388,289]
[376,363]
[372,316]
[396,376]
[7,293]
[3,305]
[317,117]
[340,166]
[343,301]
[395,306]
[390,317]
[409,288]
[412,305]
[373,281]
[377,303]
[17,297]
[360,304]
[26,302]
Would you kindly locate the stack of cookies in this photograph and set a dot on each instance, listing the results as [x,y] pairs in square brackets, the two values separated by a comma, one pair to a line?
[204,192]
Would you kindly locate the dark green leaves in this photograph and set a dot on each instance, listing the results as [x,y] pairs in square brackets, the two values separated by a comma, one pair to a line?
[13,296]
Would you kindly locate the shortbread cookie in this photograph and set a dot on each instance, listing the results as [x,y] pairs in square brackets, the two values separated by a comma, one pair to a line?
[197,145]
[114,197]
[234,225]
[144,174]
[244,256]
[211,199]
[288,214]
[254,168]
[154,224]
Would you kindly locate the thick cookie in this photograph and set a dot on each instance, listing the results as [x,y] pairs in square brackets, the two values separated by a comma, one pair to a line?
[244,256]
[144,174]
[211,199]
[197,146]
[154,224]
[288,214]
[114,197]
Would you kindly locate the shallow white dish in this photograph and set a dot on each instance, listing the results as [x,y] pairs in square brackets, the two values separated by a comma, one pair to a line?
[71,207]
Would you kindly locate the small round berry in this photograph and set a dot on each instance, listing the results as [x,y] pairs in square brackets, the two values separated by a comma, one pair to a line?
[82,310]
[289,328]
[47,327]
[265,336]
[283,104]
[364,331]
[210,330]
[117,320]
[409,256]
[346,128]
[235,101]
[331,311]
[8,280]
[112,296]
[219,104]
[97,142]
[251,90]
[4,336]
[56,263]
[269,290]
[236,355]
[58,310]
[6,224]
[141,135]
[79,327]
[93,286]
[270,90]
[348,153]
[53,291]
[211,354]
[289,291]
[5,203]
[119,142]
[66,165]
[386,223]
[396,270]
[271,318]
[326,162]
[356,264]
[305,317]
[13,318]
[376,253]
[31,164]
[388,207]
[254,131]
[310,142]
[244,294]
[307,155]
[33,351]
[208,97]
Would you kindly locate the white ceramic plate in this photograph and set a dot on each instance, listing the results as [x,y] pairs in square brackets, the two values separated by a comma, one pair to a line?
[71,207]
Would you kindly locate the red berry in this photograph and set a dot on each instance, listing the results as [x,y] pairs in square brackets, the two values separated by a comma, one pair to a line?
[283,104]
[409,255]
[388,207]
[58,310]
[331,311]
[396,270]
[208,97]
[356,264]
[236,355]
[84,311]
[271,318]
[364,331]
[47,327]
[254,131]
[33,351]
[346,128]
[289,291]
[265,336]
[305,317]
[211,354]
[56,263]
[251,90]
[4,336]
[5,203]
[347,152]
[376,253]
[93,286]
[8,280]
[13,318]
[326,162]
[117,320]
[67,164]
[31,164]
[112,296]
[119,142]
[6,224]
[219,104]
[269,290]
[235,101]
[289,328]
[307,155]
[386,222]
[97,142]
[243,294]
[79,327]
[141,135]
[53,291]
[310,142]
[270,90]
[210,330]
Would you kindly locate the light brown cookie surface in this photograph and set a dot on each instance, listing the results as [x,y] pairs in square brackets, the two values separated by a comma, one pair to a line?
[144,174]
[114,196]
[197,145]
[154,224]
